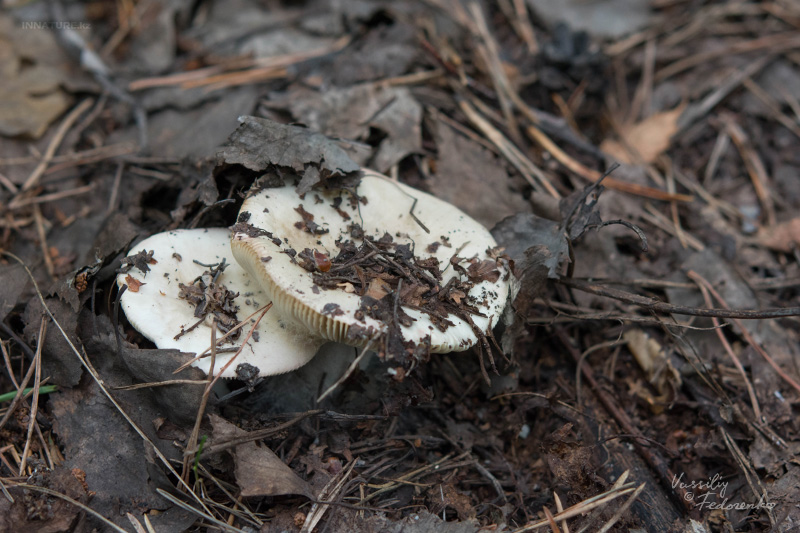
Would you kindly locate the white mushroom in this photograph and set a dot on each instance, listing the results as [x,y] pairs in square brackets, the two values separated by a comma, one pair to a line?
[163,290]
[290,244]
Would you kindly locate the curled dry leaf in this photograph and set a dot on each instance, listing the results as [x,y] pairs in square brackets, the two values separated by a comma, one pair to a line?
[653,359]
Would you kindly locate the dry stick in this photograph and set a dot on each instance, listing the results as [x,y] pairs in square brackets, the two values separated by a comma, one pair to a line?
[230,496]
[45,447]
[55,142]
[773,106]
[112,200]
[9,366]
[148,524]
[529,171]
[779,42]
[319,508]
[212,75]
[20,392]
[128,21]
[87,120]
[640,107]
[746,334]
[15,223]
[213,376]
[579,367]
[660,221]
[607,316]
[700,20]
[703,285]
[183,505]
[244,344]
[720,147]
[582,507]
[5,462]
[100,382]
[92,155]
[695,111]
[517,15]
[784,14]
[263,70]
[180,78]
[525,27]
[349,371]
[37,362]
[755,166]
[410,79]
[625,506]
[560,509]
[48,261]
[551,521]
[488,49]
[160,384]
[749,474]
[256,435]
[463,130]
[230,332]
[593,175]
[192,443]
[45,198]
[8,184]
[234,79]
[408,476]
[676,221]
[663,307]
[5,492]
[566,108]
[135,523]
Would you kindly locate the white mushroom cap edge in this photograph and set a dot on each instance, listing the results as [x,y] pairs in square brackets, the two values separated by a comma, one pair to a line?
[157,312]
[387,210]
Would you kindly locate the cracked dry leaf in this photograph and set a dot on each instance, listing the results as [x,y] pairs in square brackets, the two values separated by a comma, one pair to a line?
[259,143]
[30,97]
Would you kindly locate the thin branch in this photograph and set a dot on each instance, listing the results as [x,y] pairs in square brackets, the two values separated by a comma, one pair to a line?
[663,307]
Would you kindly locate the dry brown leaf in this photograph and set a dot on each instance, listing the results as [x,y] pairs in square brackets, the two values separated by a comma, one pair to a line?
[30,95]
[781,237]
[259,472]
[133,283]
[647,139]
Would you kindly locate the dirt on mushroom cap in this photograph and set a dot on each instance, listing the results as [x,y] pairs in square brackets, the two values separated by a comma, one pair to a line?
[358,264]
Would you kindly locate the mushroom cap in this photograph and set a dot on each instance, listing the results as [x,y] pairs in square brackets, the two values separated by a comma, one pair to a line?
[157,312]
[386,209]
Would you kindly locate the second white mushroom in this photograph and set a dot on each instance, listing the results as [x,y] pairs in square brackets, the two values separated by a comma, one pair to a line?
[176,287]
